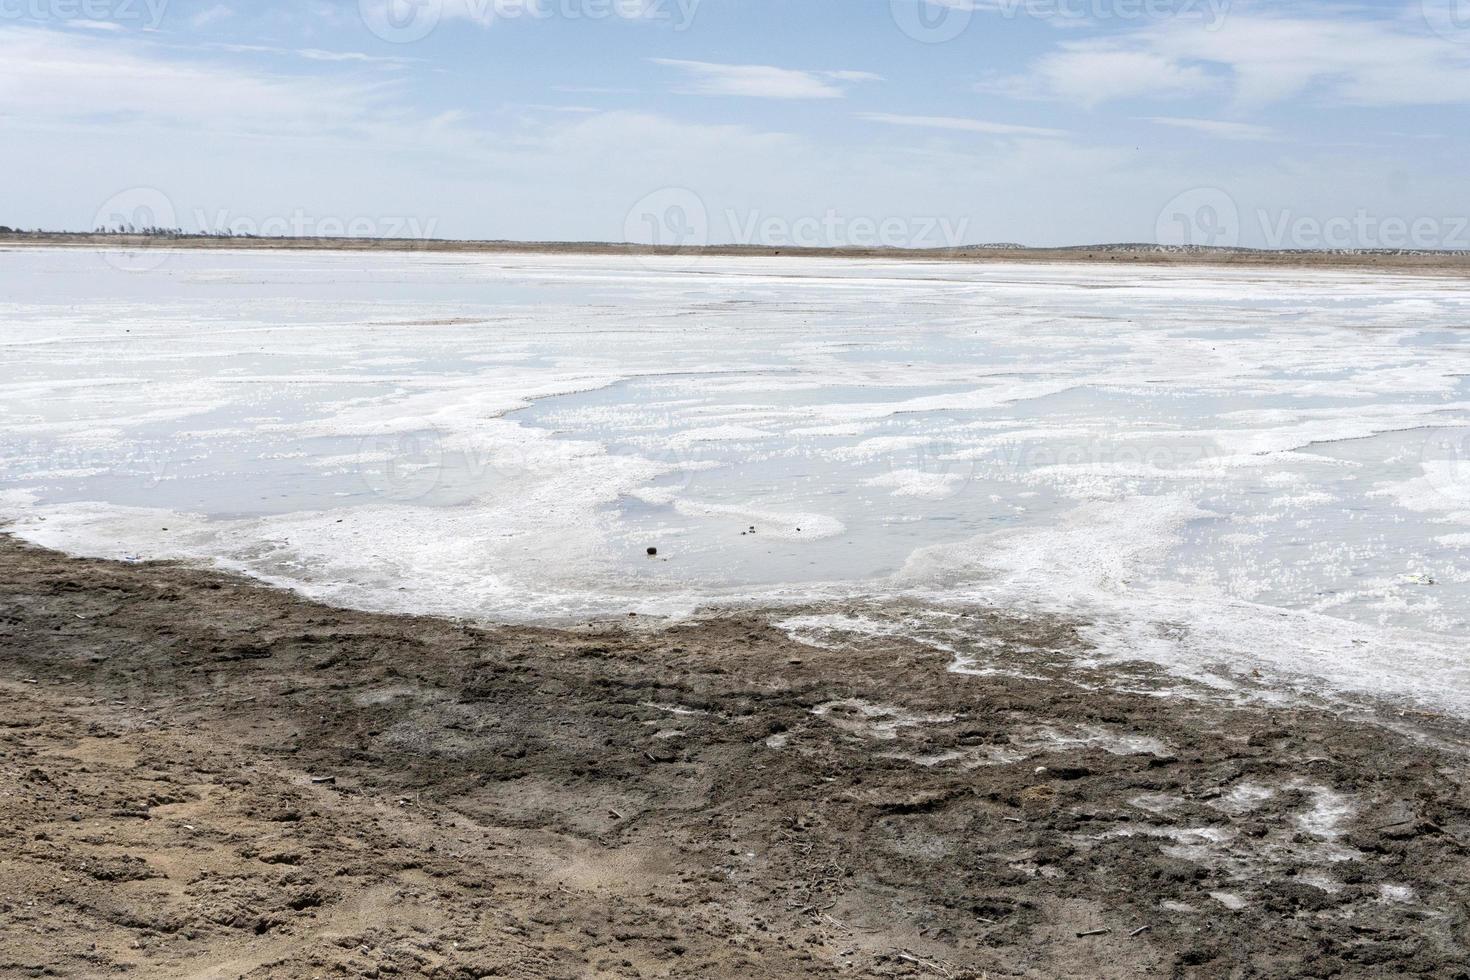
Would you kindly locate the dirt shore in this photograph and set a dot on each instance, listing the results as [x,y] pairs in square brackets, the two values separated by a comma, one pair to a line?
[1417,262]
[204,777]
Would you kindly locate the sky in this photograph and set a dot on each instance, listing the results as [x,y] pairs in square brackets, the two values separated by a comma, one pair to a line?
[900,123]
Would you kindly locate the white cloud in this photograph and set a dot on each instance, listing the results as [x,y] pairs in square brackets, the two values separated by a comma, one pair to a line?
[1092,72]
[264,135]
[53,76]
[488,12]
[581,110]
[96,25]
[211,15]
[310,54]
[960,125]
[1217,127]
[593,90]
[1255,59]
[762,81]
[317,54]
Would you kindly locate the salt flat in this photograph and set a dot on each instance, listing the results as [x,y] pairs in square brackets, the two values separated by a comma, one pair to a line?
[1221,471]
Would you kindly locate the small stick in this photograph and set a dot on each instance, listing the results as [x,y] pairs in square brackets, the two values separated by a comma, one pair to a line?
[1139,931]
[1093,932]
[933,966]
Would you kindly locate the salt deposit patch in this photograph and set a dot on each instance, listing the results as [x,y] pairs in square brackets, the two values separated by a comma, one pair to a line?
[916,483]
[1090,736]
[1222,472]
[1230,900]
[874,720]
[1396,893]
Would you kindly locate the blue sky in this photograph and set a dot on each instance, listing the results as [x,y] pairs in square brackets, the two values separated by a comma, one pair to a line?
[900,122]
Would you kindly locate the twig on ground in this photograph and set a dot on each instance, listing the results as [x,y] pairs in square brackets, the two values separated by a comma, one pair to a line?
[1396,823]
[911,958]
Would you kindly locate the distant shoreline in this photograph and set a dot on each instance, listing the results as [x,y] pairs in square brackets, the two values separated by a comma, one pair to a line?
[1436,262]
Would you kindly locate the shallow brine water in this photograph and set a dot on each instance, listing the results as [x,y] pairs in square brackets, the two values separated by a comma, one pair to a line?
[1213,469]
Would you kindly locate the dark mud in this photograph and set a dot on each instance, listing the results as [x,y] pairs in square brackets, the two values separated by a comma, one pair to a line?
[203,777]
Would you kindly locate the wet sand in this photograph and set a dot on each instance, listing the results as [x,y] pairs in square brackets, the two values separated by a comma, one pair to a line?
[205,777]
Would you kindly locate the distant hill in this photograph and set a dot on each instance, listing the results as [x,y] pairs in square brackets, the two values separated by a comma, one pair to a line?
[1444,261]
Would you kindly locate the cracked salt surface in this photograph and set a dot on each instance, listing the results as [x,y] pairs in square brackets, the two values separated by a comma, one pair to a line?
[1219,471]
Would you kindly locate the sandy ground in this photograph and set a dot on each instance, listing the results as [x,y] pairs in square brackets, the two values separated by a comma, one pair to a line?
[203,777]
[1448,262]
